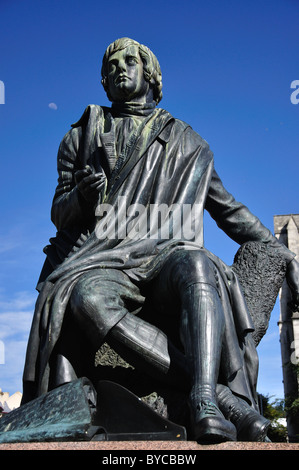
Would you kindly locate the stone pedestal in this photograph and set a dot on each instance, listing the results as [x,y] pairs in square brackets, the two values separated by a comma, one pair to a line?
[151,447]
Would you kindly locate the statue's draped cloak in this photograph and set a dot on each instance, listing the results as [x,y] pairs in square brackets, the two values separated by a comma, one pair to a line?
[165,162]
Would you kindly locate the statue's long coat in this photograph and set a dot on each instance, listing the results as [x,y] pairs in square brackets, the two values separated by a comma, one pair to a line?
[166,162]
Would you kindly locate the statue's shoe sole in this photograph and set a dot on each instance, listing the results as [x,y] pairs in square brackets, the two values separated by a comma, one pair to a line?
[213,431]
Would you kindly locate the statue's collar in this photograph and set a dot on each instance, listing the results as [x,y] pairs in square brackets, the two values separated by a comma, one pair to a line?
[132,109]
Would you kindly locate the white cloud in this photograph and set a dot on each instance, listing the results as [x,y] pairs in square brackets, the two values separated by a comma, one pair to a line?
[15,322]
[21,301]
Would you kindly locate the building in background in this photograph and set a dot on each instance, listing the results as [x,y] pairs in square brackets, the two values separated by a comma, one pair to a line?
[286,228]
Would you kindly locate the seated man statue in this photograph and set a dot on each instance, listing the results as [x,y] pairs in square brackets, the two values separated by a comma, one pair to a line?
[132,188]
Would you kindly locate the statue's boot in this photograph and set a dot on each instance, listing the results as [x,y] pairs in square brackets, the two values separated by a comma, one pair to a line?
[250,425]
[202,331]
[208,423]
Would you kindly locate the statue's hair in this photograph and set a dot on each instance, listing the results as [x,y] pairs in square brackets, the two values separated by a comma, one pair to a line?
[151,68]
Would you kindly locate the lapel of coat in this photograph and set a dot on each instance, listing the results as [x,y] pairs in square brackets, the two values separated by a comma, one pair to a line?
[107,140]
[150,131]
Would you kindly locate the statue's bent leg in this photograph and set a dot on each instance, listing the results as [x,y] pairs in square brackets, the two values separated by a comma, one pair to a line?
[192,275]
[99,304]
[100,299]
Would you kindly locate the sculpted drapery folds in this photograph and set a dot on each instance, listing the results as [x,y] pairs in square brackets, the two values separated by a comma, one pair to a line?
[132,189]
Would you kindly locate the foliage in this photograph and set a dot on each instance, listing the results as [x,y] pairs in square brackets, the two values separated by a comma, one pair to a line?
[279,409]
[292,401]
[274,411]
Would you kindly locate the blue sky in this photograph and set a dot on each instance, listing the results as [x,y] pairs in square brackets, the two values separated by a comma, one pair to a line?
[227,70]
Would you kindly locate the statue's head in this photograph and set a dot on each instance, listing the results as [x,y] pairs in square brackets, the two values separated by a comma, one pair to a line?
[126,51]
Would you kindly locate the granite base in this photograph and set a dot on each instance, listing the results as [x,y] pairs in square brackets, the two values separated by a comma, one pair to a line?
[160,446]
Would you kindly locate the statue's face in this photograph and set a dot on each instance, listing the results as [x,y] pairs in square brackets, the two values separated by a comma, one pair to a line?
[126,81]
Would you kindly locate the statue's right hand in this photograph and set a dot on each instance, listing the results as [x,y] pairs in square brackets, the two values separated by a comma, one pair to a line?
[89,183]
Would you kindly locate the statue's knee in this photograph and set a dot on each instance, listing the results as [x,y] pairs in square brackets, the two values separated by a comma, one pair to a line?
[203,269]
[84,298]
[76,298]
[193,266]
[198,261]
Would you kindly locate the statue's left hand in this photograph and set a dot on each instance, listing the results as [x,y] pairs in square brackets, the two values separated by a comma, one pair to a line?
[292,277]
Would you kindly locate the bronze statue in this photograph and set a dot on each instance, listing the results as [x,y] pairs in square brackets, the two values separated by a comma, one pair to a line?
[132,188]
